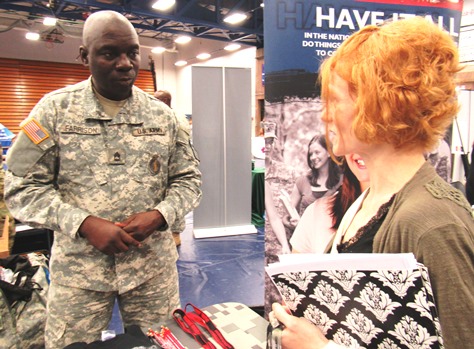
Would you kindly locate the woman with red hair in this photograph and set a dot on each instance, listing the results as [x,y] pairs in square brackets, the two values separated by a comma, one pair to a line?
[390,95]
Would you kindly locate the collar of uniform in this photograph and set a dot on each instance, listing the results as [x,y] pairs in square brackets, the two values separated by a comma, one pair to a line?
[131,112]
[93,110]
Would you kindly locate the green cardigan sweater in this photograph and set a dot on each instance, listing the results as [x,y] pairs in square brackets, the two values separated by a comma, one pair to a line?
[434,221]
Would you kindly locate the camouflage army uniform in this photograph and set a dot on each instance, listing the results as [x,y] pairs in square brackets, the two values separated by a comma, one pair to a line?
[4,211]
[180,223]
[92,164]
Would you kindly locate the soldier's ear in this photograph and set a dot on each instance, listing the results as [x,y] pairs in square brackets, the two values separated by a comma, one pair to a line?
[84,53]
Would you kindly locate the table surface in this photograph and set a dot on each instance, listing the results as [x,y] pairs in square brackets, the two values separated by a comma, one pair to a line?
[240,325]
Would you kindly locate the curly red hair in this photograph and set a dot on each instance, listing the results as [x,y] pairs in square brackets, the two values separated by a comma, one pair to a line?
[401,75]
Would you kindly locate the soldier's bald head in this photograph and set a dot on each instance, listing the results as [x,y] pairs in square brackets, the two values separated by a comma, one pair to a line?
[98,21]
[111,51]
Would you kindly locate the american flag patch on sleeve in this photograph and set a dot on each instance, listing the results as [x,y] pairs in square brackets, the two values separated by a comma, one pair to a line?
[34,131]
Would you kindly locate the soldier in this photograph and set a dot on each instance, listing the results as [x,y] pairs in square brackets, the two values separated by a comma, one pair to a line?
[104,165]
[4,211]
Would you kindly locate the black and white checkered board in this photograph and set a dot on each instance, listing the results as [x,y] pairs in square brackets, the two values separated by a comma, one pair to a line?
[240,325]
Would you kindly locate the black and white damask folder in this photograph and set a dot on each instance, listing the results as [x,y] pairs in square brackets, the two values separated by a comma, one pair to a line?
[380,301]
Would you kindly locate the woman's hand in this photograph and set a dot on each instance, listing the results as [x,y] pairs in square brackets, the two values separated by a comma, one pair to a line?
[299,333]
[289,222]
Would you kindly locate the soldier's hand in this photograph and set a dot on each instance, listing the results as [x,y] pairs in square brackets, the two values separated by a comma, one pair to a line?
[106,236]
[142,225]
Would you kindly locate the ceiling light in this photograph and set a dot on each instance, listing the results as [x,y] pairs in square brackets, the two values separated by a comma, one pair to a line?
[232,47]
[158,49]
[32,36]
[235,18]
[163,5]
[49,21]
[180,63]
[203,56]
[182,39]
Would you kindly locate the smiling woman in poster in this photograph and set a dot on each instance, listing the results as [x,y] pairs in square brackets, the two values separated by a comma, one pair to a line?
[322,179]
[390,95]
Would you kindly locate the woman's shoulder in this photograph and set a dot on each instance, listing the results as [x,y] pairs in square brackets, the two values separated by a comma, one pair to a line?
[429,190]
[424,218]
[440,189]
[434,193]
[429,206]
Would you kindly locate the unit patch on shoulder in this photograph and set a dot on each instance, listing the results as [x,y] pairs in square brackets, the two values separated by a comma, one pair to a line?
[34,131]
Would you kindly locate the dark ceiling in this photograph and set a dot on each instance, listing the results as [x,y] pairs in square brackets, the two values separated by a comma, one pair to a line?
[198,18]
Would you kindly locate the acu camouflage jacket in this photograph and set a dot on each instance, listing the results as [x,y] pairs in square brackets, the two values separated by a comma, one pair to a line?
[71,160]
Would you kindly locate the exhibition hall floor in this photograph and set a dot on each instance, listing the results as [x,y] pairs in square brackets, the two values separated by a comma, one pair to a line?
[217,270]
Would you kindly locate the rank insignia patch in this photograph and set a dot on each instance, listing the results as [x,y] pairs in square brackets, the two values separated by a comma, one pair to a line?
[116,156]
[34,131]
